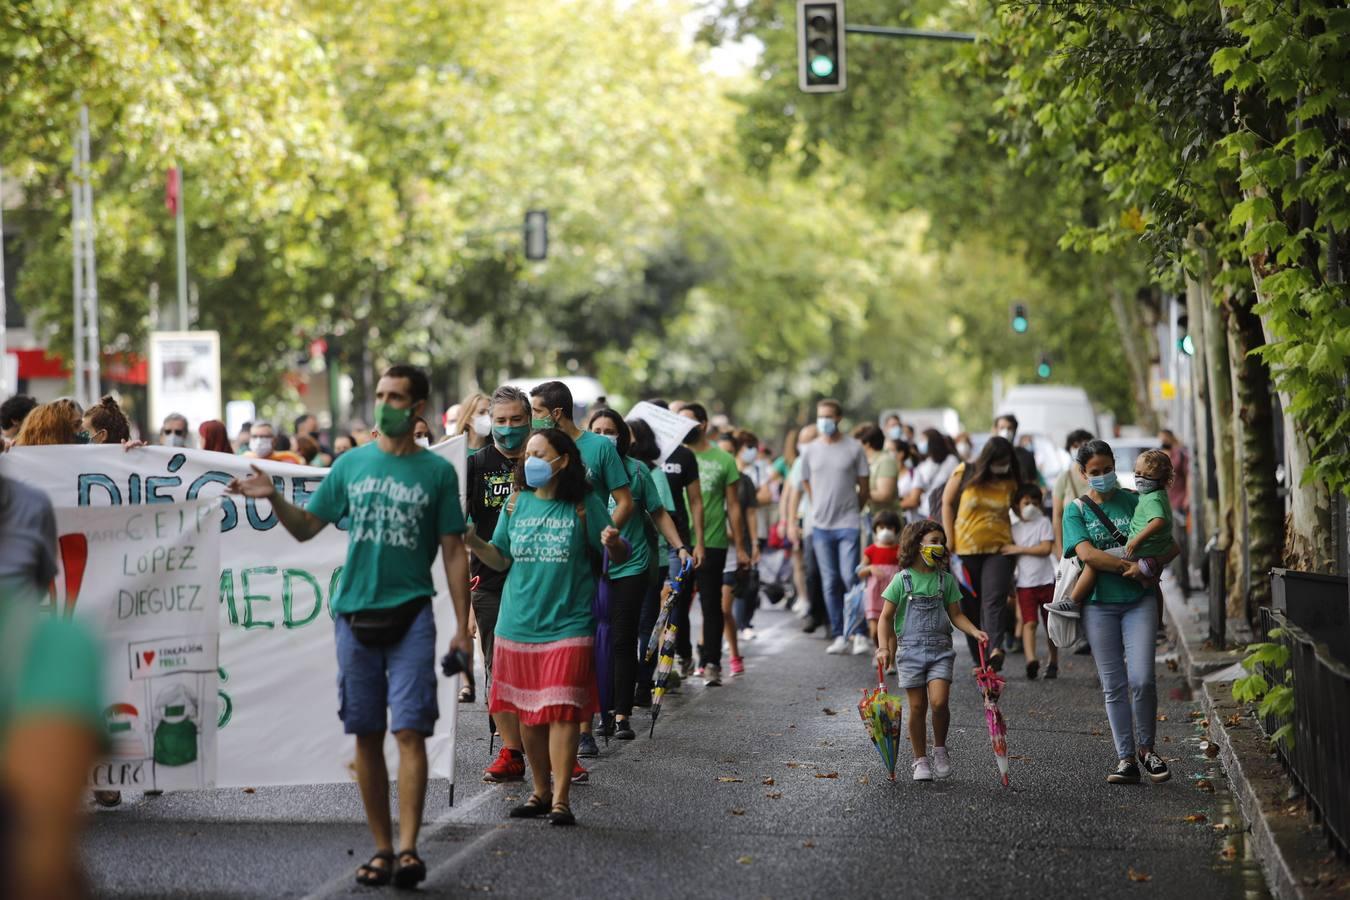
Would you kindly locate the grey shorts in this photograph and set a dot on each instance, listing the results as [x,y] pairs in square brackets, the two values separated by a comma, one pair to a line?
[918,664]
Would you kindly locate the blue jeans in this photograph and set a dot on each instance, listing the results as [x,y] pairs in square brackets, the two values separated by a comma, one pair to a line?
[1122,638]
[837,553]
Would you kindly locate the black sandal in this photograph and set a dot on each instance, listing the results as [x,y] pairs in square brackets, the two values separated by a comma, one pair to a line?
[409,875]
[466,694]
[376,876]
[532,808]
[561,814]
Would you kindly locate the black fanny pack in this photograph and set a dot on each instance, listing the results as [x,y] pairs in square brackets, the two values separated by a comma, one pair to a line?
[385,627]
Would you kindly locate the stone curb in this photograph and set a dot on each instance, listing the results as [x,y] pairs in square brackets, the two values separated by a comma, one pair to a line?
[1280,877]
[1244,755]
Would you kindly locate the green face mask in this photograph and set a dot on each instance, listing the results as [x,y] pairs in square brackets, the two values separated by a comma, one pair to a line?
[393,422]
[540,424]
[510,437]
[83,437]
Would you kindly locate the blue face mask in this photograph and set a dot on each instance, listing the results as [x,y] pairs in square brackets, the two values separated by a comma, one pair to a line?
[895,432]
[613,439]
[922,447]
[826,425]
[538,471]
[1146,485]
[1104,484]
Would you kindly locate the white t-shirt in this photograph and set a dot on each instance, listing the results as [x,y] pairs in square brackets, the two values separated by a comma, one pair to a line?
[1034,571]
[928,475]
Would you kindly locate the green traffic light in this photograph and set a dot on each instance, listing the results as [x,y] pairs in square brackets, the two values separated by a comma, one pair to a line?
[1043,370]
[1020,324]
[1187,345]
[822,66]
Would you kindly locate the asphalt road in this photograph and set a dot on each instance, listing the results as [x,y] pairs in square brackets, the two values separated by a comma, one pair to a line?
[766,787]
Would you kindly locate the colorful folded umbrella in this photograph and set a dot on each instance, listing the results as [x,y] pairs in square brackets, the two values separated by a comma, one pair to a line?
[881,713]
[667,630]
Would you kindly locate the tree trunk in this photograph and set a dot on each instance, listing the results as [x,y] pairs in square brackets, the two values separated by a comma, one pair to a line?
[1219,380]
[1310,531]
[1134,340]
[1256,451]
[1204,503]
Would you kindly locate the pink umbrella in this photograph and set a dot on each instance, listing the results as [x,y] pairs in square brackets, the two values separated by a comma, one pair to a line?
[991,686]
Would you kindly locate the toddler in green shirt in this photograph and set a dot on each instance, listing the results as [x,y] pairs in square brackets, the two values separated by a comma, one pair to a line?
[1150,541]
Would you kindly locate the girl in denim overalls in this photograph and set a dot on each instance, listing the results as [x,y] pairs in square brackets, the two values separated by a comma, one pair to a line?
[922,605]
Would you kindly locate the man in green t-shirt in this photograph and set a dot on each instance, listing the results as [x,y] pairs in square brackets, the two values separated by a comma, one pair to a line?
[722,518]
[401,507]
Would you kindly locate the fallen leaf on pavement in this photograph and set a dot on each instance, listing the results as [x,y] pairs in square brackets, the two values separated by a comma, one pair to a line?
[1022,758]
[727,779]
[1204,723]
[1233,721]
[1197,818]
[1137,876]
[829,712]
[1172,665]
[737,811]
[795,765]
[1229,852]
[744,860]
[1096,732]
[1195,714]
[1209,748]
[1162,717]
[250,790]
[1166,739]
[864,780]
[827,774]
[808,844]
[767,781]
[1204,784]
[776,795]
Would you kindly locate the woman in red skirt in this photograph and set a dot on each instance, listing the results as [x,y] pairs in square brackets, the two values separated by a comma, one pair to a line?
[550,539]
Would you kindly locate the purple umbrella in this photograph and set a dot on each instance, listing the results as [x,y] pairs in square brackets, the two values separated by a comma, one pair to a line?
[604,641]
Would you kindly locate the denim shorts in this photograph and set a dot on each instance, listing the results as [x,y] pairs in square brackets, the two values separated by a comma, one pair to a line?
[920,663]
[388,687]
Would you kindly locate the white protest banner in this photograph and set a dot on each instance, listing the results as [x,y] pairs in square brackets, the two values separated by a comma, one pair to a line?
[184,373]
[145,580]
[278,719]
[670,428]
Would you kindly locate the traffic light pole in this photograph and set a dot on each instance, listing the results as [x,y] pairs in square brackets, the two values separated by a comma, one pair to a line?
[921,33]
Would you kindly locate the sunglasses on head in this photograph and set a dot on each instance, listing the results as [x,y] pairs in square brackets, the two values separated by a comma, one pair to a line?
[179,431]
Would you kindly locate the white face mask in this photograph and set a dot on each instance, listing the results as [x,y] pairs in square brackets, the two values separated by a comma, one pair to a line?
[482,425]
[963,448]
[885,536]
[423,441]
[261,446]
[1006,433]
[1030,513]
[176,440]
[1001,468]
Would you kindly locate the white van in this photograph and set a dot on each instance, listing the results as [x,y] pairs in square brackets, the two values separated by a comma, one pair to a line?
[1052,410]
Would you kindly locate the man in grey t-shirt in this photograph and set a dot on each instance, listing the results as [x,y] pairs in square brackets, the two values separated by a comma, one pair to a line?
[27,541]
[835,475]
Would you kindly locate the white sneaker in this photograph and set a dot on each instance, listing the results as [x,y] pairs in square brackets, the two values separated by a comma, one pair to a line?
[861,645]
[1065,607]
[839,646]
[922,772]
[802,607]
[747,634]
[942,763]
